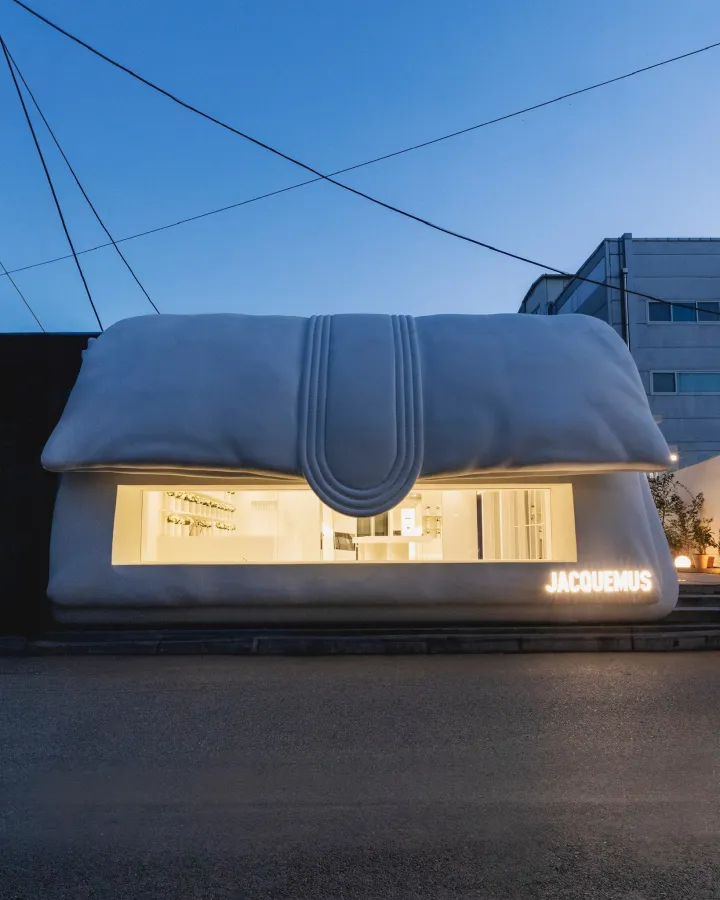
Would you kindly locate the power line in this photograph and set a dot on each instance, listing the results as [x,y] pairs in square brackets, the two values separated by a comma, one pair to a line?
[385,156]
[77,182]
[320,176]
[22,296]
[49,180]
[140,234]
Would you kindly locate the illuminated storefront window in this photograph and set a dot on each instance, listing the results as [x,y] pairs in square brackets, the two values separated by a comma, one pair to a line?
[223,525]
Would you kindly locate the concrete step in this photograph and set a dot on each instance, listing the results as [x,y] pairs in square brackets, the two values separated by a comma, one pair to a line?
[707,601]
[702,613]
[699,590]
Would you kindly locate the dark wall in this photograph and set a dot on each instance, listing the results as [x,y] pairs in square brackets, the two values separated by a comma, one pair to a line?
[37,372]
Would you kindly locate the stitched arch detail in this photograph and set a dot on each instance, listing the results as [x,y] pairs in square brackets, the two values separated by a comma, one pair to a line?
[395,483]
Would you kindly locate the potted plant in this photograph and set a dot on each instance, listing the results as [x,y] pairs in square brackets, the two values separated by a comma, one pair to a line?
[702,540]
[673,511]
[696,532]
[687,532]
[713,560]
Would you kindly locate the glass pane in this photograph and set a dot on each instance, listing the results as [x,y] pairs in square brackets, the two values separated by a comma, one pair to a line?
[491,525]
[511,538]
[683,313]
[210,526]
[515,525]
[225,526]
[536,519]
[709,311]
[479,512]
[699,382]
[663,382]
[658,312]
[381,524]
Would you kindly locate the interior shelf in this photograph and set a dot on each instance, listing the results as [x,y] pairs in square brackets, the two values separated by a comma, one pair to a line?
[205,499]
[395,539]
[204,516]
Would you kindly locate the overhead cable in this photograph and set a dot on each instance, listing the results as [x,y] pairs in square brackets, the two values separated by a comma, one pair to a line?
[320,176]
[22,296]
[385,156]
[77,182]
[49,180]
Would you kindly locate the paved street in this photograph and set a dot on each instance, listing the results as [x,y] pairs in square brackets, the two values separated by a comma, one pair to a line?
[569,776]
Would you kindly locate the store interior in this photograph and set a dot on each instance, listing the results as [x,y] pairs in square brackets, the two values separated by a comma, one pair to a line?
[291,525]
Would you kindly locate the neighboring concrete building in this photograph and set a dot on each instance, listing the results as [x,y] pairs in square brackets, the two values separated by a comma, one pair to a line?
[677,350]
[543,293]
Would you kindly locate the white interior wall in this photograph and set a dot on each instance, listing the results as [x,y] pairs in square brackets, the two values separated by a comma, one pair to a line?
[459,528]
[299,524]
[704,477]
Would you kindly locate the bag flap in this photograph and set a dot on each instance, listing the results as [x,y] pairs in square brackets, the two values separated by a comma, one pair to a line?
[361,406]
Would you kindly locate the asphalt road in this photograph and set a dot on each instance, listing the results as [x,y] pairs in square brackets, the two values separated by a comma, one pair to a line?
[569,776]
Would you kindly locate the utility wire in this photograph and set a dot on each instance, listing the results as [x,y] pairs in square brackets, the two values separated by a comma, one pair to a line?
[330,179]
[77,182]
[132,237]
[49,180]
[22,296]
[395,153]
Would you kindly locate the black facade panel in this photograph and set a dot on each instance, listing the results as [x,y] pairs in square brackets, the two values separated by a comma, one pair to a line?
[38,372]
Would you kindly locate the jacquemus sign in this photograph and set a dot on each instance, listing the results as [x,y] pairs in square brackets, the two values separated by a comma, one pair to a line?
[604,581]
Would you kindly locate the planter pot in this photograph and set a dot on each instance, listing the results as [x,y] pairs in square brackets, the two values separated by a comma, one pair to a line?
[700,560]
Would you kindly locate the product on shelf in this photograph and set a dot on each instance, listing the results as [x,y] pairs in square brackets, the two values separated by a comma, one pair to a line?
[187,514]
[186,501]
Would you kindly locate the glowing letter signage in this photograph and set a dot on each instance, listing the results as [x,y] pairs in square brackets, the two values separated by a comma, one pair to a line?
[607,581]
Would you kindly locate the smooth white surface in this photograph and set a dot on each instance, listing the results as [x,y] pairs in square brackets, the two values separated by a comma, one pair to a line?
[617,527]
[363,411]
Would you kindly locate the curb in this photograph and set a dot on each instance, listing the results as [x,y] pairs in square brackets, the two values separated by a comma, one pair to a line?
[11,645]
[486,640]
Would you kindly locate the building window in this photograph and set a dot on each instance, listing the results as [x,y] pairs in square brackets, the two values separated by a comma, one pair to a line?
[698,382]
[584,289]
[686,382]
[702,311]
[663,382]
[659,312]
[514,524]
[684,313]
[232,526]
[708,311]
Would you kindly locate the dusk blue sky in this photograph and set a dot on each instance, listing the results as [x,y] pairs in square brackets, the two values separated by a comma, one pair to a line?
[334,84]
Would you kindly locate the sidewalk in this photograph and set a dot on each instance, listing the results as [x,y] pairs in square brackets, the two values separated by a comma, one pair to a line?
[701,578]
[693,625]
[368,641]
